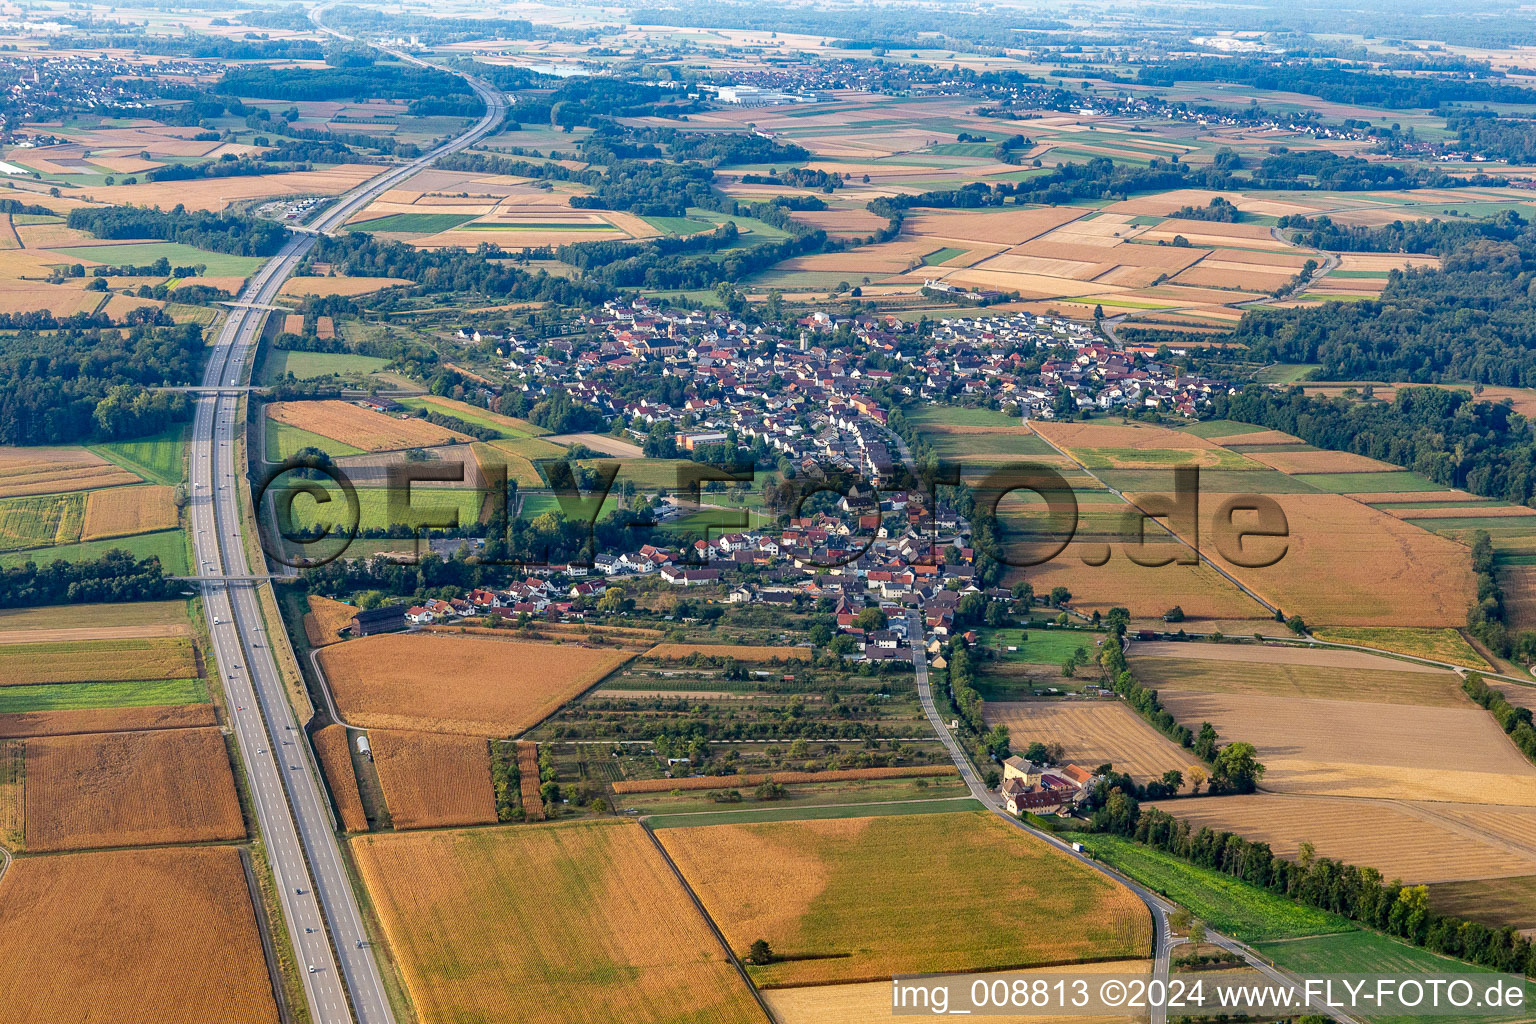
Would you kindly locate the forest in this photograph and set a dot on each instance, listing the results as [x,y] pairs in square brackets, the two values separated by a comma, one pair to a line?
[214,232]
[1336,83]
[66,386]
[1474,319]
[115,576]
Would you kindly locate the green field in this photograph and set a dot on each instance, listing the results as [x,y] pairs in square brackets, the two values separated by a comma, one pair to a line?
[157,459]
[76,696]
[284,440]
[505,426]
[1285,373]
[1225,903]
[1369,953]
[1435,644]
[41,520]
[1041,646]
[679,225]
[414,223]
[278,362]
[940,256]
[1152,458]
[957,416]
[373,506]
[217,264]
[1367,483]
[815,813]
[169,545]
[1212,481]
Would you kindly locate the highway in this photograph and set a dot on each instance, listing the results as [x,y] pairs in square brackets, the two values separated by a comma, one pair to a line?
[340,976]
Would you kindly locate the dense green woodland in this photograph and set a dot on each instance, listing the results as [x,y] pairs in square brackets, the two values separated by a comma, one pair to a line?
[1472,320]
[115,576]
[238,236]
[77,385]
[1337,84]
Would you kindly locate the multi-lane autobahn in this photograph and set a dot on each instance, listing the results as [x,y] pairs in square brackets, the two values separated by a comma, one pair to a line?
[341,978]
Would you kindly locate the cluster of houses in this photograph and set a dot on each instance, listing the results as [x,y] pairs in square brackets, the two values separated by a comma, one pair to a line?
[1031,787]
[804,390]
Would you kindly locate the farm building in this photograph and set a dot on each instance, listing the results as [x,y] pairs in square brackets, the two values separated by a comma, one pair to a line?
[386,619]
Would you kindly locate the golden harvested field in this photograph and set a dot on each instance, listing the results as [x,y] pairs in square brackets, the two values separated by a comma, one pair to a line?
[869,1002]
[98,661]
[95,720]
[348,286]
[155,935]
[737,651]
[1321,681]
[853,886]
[1358,748]
[528,779]
[130,789]
[1347,564]
[1390,836]
[1072,436]
[1010,227]
[459,684]
[1397,497]
[122,511]
[842,223]
[27,297]
[553,924]
[431,779]
[1091,733]
[325,618]
[1320,462]
[217,193]
[361,427]
[738,781]
[52,470]
[1146,591]
[334,751]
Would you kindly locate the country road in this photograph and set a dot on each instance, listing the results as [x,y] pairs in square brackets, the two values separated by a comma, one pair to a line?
[321,912]
[1162,941]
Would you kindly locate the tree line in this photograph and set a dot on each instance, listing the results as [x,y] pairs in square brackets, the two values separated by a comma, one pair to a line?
[115,576]
[70,385]
[216,232]
[1360,894]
